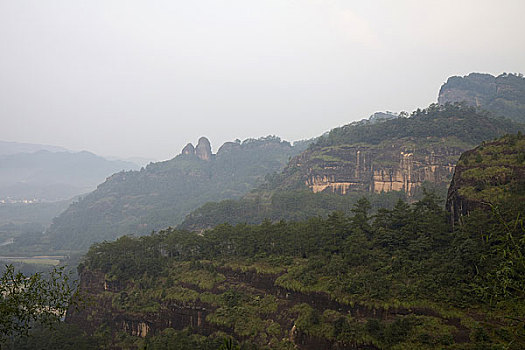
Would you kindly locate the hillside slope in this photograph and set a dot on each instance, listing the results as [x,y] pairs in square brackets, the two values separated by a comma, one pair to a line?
[487,176]
[396,156]
[402,279]
[161,194]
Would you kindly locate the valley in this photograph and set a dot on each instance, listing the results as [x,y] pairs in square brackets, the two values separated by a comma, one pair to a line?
[401,231]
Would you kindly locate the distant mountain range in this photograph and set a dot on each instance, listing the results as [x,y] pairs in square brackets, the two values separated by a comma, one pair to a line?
[31,172]
[7,148]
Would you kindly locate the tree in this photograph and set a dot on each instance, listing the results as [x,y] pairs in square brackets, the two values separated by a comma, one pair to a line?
[26,300]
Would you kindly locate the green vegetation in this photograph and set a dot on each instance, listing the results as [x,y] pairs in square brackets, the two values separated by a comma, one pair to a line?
[159,196]
[29,300]
[467,124]
[435,136]
[493,172]
[395,280]
[293,205]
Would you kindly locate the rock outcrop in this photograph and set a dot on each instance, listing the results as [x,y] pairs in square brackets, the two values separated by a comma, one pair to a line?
[195,314]
[397,154]
[203,149]
[502,95]
[486,176]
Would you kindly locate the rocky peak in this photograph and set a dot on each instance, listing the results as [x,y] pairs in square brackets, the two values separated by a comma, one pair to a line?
[188,149]
[502,95]
[203,149]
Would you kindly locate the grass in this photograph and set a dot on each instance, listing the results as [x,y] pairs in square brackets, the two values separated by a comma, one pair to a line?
[34,261]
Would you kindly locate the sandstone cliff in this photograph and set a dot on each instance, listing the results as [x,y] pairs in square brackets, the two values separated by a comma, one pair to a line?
[396,167]
[394,155]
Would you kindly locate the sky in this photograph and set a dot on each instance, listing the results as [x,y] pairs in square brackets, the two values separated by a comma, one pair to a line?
[132,78]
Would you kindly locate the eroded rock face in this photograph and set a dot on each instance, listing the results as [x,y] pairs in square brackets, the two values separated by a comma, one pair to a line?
[203,149]
[475,89]
[502,95]
[399,167]
[178,314]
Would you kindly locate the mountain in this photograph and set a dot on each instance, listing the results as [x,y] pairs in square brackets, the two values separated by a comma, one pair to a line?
[53,176]
[383,160]
[160,195]
[403,278]
[17,147]
[502,95]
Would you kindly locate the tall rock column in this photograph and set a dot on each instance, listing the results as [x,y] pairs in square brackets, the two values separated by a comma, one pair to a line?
[203,149]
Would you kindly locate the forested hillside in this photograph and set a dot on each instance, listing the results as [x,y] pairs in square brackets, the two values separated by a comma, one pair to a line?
[385,161]
[160,195]
[400,279]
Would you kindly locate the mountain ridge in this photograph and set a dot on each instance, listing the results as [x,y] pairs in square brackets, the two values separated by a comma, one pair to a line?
[162,193]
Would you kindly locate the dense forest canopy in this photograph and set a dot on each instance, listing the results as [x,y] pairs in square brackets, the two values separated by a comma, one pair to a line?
[468,124]
[405,257]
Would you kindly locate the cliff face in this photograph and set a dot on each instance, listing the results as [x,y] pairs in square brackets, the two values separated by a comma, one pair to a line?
[502,95]
[204,316]
[488,175]
[398,154]
[106,294]
[398,167]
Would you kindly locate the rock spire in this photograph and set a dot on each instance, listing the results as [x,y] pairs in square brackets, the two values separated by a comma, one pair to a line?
[202,151]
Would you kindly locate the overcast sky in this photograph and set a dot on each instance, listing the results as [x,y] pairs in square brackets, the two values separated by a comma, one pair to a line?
[143,78]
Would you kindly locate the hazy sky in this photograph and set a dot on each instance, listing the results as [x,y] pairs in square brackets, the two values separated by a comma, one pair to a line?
[143,78]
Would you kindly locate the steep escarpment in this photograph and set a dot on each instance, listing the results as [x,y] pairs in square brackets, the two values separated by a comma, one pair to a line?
[502,95]
[396,166]
[396,155]
[487,176]
[160,195]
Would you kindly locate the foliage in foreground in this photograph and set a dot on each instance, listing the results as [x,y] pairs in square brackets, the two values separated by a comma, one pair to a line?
[35,299]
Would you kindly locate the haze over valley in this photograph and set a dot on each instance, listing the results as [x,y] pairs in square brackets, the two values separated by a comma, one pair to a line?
[262,175]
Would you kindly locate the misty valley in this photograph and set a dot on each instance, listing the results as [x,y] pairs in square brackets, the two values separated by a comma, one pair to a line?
[399,231]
